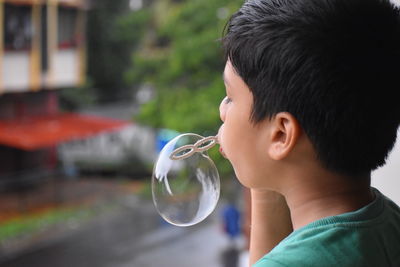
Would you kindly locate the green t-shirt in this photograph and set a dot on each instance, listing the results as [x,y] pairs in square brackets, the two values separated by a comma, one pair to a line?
[369,236]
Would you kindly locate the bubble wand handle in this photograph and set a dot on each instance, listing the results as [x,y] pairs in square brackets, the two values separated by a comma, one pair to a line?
[186,151]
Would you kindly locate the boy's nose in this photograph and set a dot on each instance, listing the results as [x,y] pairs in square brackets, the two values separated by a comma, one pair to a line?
[222,110]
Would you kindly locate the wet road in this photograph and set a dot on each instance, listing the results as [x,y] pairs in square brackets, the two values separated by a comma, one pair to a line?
[131,235]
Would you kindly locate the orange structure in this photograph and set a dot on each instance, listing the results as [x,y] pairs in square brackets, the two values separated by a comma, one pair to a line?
[42,49]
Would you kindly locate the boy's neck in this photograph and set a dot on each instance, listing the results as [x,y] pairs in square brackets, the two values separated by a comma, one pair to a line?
[325,194]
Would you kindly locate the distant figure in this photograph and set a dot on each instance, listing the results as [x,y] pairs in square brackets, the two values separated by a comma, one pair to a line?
[231,217]
[231,223]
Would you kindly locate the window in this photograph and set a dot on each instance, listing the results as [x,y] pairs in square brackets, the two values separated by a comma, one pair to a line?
[17,27]
[67,27]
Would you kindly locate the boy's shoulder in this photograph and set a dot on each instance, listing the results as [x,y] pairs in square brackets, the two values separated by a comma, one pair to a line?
[366,237]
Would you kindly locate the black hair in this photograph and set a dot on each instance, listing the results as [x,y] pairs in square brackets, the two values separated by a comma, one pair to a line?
[332,64]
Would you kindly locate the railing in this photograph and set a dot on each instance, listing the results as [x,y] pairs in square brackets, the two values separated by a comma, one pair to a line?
[25,179]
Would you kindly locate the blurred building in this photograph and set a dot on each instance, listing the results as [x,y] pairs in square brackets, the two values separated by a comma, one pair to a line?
[42,49]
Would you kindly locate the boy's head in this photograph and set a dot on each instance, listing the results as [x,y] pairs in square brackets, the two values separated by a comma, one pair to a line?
[332,64]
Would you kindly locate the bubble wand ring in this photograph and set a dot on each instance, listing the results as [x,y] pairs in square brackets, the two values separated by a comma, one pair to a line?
[186,151]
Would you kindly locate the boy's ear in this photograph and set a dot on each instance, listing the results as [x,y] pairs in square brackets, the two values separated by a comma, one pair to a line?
[284,133]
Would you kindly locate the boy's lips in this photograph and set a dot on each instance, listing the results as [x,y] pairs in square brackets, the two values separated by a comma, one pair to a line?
[222,152]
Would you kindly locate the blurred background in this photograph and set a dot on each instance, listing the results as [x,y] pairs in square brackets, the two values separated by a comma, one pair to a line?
[90,91]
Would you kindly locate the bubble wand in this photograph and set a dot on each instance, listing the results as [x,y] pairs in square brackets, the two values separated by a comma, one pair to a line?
[186,151]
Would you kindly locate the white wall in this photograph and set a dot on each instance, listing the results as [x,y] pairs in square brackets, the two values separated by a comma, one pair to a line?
[396,2]
[65,65]
[15,71]
[387,178]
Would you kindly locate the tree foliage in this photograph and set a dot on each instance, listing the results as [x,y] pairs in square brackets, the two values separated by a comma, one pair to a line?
[112,35]
[181,58]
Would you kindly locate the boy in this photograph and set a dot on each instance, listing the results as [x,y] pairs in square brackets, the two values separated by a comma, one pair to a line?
[311,110]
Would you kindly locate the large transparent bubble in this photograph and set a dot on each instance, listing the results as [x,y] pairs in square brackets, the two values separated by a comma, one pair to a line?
[185,191]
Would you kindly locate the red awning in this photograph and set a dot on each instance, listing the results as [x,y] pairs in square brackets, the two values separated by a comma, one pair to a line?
[38,132]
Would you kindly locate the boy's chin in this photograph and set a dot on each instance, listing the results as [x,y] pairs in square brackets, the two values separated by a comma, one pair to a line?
[240,178]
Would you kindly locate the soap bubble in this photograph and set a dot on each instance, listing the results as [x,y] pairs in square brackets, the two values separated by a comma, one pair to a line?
[185,191]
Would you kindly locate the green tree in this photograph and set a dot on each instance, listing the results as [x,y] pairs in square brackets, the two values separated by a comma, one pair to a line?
[181,58]
[113,33]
